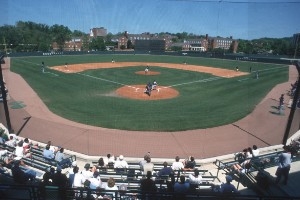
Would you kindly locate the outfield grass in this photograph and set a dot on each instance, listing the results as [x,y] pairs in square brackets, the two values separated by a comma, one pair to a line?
[201,104]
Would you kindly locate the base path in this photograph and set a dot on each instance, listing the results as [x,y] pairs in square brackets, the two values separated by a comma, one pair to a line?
[35,121]
[210,70]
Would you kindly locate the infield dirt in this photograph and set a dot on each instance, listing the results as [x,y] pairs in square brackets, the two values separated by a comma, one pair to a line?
[137,91]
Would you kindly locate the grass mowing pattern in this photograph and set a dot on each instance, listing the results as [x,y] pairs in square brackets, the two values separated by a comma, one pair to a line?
[202,104]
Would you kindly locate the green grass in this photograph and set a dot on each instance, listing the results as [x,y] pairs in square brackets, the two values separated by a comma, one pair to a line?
[85,97]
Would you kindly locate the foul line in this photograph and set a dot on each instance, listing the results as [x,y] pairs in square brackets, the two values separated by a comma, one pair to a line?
[37,65]
[118,83]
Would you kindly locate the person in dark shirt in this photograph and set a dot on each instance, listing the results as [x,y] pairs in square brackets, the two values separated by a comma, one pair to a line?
[190,164]
[165,171]
[148,185]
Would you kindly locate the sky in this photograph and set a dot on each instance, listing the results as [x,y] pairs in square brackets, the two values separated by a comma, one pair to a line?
[241,19]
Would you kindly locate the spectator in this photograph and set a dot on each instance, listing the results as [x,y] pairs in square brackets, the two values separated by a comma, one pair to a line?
[177,165]
[22,176]
[255,151]
[228,187]
[26,143]
[88,171]
[11,142]
[181,187]
[47,153]
[51,147]
[78,179]
[74,164]
[196,178]
[101,163]
[284,165]
[190,164]
[95,181]
[148,166]
[109,161]
[165,171]
[61,159]
[148,185]
[121,165]
[144,162]
[19,151]
[60,179]
[111,186]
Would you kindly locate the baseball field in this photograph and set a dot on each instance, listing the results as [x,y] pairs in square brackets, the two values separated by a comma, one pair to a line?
[197,94]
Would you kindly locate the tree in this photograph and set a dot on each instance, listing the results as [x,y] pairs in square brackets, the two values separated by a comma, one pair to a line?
[60,34]
[129,44]
[98,44]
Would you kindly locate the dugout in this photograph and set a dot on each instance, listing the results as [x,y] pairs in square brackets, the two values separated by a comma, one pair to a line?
[150,45]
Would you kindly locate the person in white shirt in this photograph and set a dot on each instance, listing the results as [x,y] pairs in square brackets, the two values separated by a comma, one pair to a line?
[177,165]
[196,178]
[255,151]
[87,172]
[78,178]
[121,163]
[148,166]
[95,181]
[19,149]
[109,160]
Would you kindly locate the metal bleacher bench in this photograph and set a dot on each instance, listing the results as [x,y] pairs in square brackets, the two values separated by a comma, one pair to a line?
[252,178]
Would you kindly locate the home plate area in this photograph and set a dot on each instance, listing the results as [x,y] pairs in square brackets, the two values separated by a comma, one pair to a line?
[139,92]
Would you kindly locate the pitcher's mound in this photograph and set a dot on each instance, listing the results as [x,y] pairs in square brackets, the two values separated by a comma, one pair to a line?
[138,92]
[150,73]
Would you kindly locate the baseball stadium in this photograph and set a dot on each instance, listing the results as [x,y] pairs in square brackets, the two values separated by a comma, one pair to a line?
[95,104]
[191,100]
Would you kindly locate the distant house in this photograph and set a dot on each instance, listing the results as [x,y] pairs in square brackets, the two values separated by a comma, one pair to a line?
[74,44]
[96,32]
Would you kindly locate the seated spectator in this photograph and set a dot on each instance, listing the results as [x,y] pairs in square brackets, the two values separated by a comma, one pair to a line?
[52,148]
[181,187]
[48,154]
[12,142]
[88,171]
[255,151]
[101,163]
[148,185]
[19,151]
[241,168]
[177,165]
[78,179]
[228,187]
[111,185]
[22,176]
[144,162]
[196,178]
[109,161]
[166,171]
[48,175]
[121,165]
[60,179]
[61,159]
[148,166]
[190,164]
[95,181]
[74,164]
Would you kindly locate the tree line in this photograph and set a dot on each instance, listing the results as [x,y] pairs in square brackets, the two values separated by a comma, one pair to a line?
[32,37]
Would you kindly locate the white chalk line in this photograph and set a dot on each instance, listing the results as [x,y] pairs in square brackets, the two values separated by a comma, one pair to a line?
[38,65]
[158,89]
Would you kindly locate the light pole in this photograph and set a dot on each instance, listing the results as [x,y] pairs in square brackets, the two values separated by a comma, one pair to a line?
[3,92]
